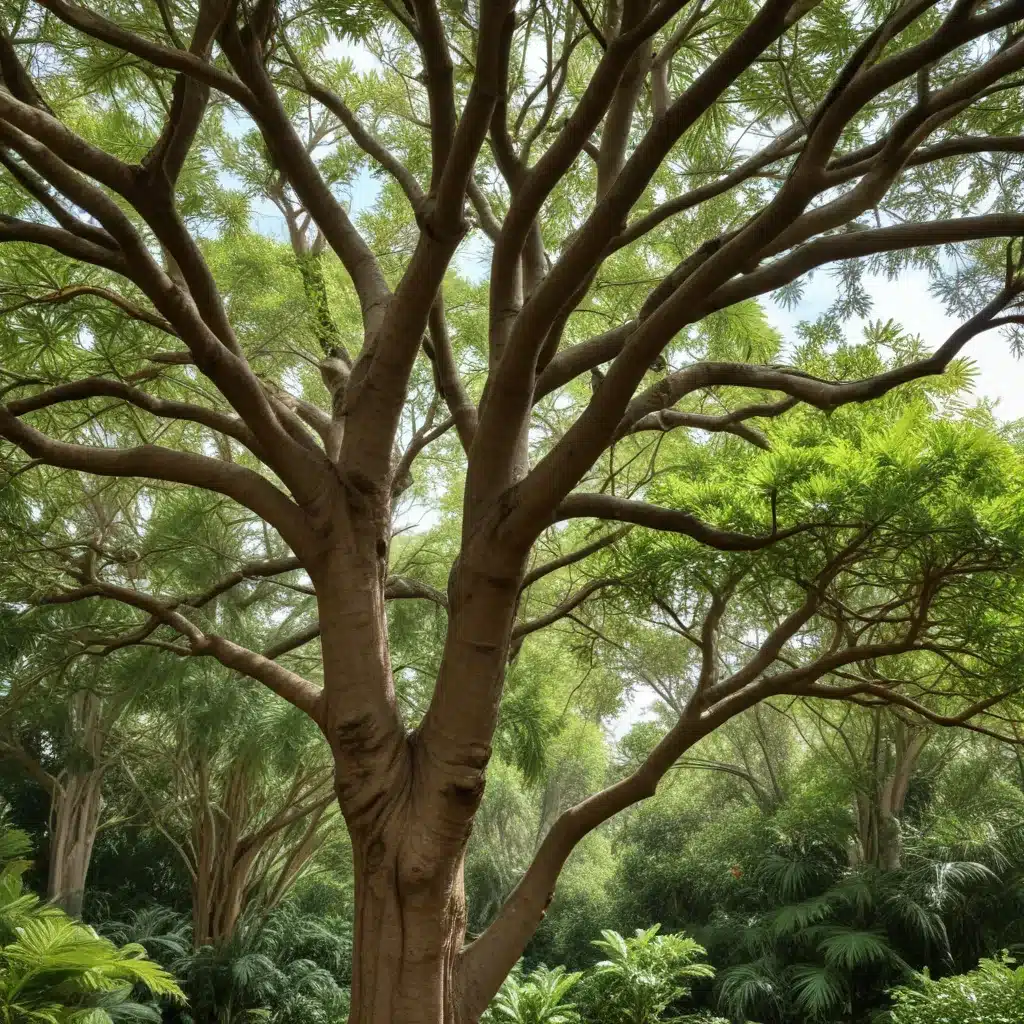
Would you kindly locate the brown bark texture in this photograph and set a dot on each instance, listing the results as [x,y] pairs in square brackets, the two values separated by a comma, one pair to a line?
[74,822]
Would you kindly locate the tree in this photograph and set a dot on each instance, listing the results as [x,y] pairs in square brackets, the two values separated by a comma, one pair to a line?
[75,794]
[63,730]
[642,175]
[245,796]
[882,753]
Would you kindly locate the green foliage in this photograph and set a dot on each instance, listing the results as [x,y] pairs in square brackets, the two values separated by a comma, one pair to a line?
[798,926]
[644,974]
[831,951]
[537,998]
[285,967]
[776,856]
[54,970]
[992,994]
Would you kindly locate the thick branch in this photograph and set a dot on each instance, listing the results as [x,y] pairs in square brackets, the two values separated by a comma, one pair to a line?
[157,463]
[731,422]
[655,517]
[103,387]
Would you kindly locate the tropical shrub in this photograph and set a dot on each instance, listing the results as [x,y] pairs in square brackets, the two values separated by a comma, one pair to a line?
[823,947]
[537,998]
[55,970]
[643,975]
[992,994]
[283,966]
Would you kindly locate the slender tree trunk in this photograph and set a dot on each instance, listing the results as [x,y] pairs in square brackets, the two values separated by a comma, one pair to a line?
[880,835]
[76,804]
[236,866]
[894,797]
[218,900]
[75,820]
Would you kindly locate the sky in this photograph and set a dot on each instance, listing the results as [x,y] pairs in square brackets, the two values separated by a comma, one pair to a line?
[908,301]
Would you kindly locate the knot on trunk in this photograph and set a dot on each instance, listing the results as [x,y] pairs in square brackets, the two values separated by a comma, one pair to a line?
[439,228]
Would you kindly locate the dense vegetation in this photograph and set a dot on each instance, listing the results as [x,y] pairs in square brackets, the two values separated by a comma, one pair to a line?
[432,588]
[800,864]
[763,847]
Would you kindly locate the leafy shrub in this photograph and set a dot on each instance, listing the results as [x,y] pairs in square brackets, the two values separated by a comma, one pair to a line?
[538,998]
[54,969]
[824,947]
[992,994]
[643,975]
[283,967]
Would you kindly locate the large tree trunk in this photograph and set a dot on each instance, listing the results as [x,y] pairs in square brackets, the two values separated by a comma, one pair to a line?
[408,797]
[408,933]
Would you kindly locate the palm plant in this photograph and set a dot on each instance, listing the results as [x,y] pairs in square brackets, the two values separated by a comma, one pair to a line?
[59,971]
[536,999]
[54,970]
[643,975]
[283,966]
[164,934]
[824,946]
[17,905]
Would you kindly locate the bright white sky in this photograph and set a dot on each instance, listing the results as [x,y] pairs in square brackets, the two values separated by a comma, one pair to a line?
[909,303]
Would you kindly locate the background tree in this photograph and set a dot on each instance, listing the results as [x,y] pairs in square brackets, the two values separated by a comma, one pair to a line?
[241,786]
[628,228]
[63,729]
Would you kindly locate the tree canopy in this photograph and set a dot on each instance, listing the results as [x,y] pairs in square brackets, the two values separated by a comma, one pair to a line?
[412,359]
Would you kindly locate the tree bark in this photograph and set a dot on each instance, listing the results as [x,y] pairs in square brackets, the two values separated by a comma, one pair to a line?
[75,820]
[878,812]
[408,798]
[76,804]
[409,929]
